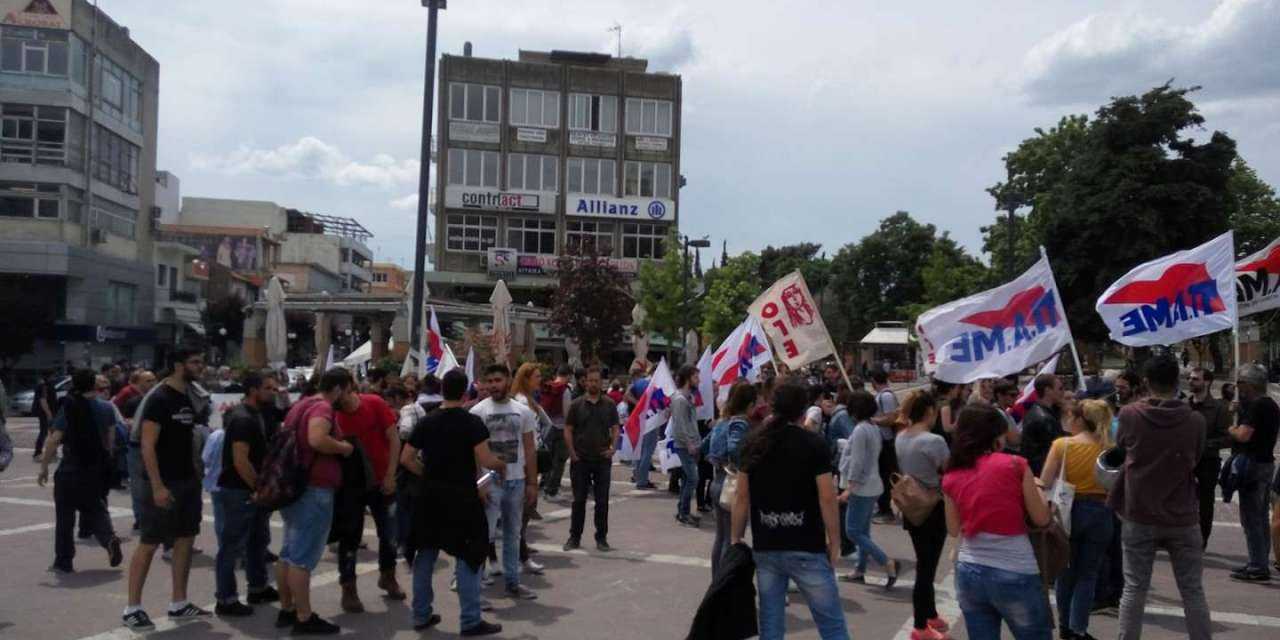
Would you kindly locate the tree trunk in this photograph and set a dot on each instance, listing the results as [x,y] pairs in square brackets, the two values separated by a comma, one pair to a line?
[1215,350]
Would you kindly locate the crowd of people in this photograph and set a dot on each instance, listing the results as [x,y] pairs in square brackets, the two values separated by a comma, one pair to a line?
[808,462]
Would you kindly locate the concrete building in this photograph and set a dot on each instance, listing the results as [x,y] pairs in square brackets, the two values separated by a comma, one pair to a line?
[297,277]
[168,197]
[548,154]
[388,279]
[79,109]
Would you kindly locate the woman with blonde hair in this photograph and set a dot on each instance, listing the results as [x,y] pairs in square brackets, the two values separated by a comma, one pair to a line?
[524,389]
[1072,459]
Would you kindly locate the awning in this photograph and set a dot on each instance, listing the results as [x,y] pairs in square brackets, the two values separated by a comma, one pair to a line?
[197,327]
[888,336]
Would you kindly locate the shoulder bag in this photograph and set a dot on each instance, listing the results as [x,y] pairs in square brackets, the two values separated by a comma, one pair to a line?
[914,500]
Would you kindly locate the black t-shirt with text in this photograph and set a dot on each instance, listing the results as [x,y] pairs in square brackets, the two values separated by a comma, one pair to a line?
[785,514]
[447,439]
[593,424]
[243,424]
[1263,415]
[172,411]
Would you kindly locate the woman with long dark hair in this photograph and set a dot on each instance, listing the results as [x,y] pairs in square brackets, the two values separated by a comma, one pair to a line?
[921,455]
[724,452]
[989,497]
[860,478]
[785,489]
[84,429]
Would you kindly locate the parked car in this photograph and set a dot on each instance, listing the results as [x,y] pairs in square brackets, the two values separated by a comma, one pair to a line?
[23,403]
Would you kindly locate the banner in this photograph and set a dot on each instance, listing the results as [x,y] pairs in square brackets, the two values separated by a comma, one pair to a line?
[1258,280]
[653,407]
[790,317]
[1174,298]
[739,357]
[998,332]
[704,394]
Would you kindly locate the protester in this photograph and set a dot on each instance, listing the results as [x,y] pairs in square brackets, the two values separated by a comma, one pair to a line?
[950,398]
[860,478]
[140,381]
[367,418]
[984,393]
[683,430]
[649,441]
[445,451]
[591,430]
[1217,418]
[511,428]
[555,399]
[837,432]
[785,490]
[921,455]
[1043,422]
[1128,388]
[84,428]
[989,498]
[815,415]
[1073,459]
[46,408]
[375,380]
[724,448]
[1156,498]
[242,526]
[1254,440]
[308,518]
[524,389]
[886,419]
[169,488]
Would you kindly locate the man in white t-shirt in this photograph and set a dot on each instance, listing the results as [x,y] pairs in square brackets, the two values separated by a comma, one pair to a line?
[511,427]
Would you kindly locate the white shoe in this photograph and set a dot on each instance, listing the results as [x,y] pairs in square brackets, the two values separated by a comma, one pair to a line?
[495,570]
[486,581]
[533,567]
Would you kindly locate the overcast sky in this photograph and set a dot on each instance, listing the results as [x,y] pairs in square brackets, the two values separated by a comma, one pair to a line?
[803,121]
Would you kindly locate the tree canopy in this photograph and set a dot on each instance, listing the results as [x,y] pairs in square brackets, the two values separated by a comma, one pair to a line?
[592,304]
[731,288]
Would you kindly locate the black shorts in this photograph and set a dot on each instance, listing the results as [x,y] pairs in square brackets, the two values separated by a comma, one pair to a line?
[181,520]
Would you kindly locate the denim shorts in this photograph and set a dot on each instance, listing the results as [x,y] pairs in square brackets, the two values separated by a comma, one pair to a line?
[306,528]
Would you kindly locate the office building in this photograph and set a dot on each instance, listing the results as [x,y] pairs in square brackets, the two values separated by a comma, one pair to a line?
[389,279]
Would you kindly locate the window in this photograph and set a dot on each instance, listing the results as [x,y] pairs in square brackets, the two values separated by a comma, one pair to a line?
[119,93]
[583,237]
[474,102]
[34,51]
[593,113]
[473,168]
[643,240]
[25,200]
[120,303]
[471,233]
[35,135]
[173,279]
[532,235]
[533,108]
[532,172]
[161,273]
[648,179]
[115,160]
[379,277]
[648,117]
[590,175]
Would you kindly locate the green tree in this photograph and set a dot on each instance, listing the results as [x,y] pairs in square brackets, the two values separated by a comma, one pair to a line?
[592,303]
[949,274]
[731,288]
[661,292]
[776,262]
[1253,210]
[875,277]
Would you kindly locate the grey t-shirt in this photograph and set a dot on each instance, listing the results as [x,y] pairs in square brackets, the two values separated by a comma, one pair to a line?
[921,456]
[886,403]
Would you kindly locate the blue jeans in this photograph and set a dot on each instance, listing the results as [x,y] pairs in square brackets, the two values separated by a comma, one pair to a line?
[1091,529]
[424,564]
[988,595]
[644,463]
[506,502]
[689,463]
[1255,514]
[813,574]
[306,528]
[241,527]
[857,525]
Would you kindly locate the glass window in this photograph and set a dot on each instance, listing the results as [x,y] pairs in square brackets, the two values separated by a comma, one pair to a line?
[591,175]
[474,102]
[532,235]
[492,102]
[115,160]
[648,117]
[535,108]
[532,172]
[583,236]
[473,168]
[34,51]
[643,241]
[648,179]
[161,272]
[470,233]
[35,135]
[593,113]
[574,175]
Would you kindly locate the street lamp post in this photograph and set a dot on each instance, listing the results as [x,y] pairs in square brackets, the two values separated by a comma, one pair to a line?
[698,243]
[424,176]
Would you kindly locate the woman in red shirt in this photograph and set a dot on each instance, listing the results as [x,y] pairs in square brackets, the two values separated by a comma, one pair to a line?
[989,498]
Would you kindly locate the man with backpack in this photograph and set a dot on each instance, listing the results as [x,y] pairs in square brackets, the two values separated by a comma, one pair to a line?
[308,446]
[555,399]
[885,418]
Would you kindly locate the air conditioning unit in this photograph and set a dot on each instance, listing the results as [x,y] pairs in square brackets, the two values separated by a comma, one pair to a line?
[97,236]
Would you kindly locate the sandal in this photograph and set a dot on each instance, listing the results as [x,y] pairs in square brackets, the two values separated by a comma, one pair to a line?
[891,574]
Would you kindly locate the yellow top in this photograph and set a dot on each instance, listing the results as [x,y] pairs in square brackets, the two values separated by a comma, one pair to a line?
[1079,462]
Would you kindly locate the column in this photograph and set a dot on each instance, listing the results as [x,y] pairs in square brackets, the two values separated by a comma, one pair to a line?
[378,338]
[323,338]
[254,348]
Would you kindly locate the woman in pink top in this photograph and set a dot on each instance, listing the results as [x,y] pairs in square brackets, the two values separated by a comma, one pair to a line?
[989,498]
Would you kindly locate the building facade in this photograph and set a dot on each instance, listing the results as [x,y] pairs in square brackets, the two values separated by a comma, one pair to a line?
[551,154]
[388,279]
[79,110]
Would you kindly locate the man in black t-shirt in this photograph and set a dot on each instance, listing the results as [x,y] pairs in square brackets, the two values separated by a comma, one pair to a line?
[590,431]
[170,492]
[242,526]
[1255,438]
[445,451]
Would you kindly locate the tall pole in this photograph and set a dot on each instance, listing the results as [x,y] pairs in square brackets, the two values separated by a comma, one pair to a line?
[424,181]
[1011,266]
[684,289]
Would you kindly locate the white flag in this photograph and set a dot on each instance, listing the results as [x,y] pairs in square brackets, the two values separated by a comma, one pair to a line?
[1258,280]
[1174,298]
[704,395]
[790,317]
[997,332]
[740,357]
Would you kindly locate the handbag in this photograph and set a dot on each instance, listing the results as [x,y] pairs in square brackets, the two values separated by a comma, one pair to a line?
[729,490]
[914,500]
[1063,494]
[1052,548]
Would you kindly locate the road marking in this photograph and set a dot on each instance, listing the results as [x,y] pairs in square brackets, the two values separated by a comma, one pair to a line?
[115,512]
[18,479]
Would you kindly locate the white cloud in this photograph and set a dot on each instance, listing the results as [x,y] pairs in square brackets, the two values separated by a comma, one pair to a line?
[1231,53]
[408,202]
[313,159]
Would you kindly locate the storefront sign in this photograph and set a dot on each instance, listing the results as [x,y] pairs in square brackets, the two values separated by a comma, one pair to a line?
[473,132]
[509,261]
[502,261]
[637,209]
[44,14]
[100,333]
[493,200]
[528,134]
[592,139]
[646,143]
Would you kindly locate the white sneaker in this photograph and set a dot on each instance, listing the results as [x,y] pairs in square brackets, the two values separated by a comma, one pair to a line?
[530,566]
[486,581]
[495,570]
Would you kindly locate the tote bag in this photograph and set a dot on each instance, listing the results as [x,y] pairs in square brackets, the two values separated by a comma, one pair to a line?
[1063,494]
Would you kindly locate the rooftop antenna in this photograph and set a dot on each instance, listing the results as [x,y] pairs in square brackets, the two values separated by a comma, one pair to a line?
[617,28]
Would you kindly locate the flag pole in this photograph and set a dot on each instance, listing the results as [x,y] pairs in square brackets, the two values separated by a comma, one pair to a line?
[840,363]
[1075,353]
